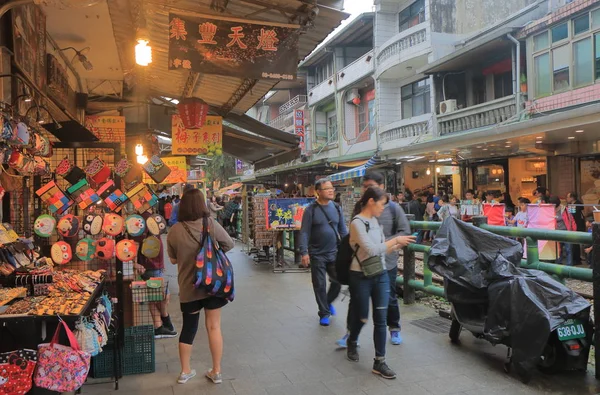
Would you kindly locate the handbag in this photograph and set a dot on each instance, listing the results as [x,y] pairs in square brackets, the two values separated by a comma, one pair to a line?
[42,146]
[20,135]
[67,170]
[112,196]
[16,370]
[157,169]
[214,272]
[126,250]
[142,198]
[54,197]
[61,368]
[130,173]
[372,266]
[61,253]
[97,171]
[10,180]
[83,194]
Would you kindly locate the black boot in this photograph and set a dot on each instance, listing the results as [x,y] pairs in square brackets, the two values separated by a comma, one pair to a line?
[352,351]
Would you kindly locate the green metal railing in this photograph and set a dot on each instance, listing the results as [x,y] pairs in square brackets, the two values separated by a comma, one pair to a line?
[532,262]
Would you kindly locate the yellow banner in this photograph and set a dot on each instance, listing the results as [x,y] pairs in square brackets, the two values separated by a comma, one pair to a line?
[178,168]
[208,140]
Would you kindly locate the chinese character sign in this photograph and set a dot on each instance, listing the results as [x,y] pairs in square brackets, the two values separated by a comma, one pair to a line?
[232,48]
[286,213]
[107,128]
[299,127]
[239,167]
[178,174]
[207,140]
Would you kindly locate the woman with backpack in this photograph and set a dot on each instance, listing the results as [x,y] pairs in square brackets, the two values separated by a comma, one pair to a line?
[183,245]
[368,278]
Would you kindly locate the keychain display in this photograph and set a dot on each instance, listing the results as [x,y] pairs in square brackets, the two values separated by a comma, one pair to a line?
[68,226]
[61,253]
[44,225]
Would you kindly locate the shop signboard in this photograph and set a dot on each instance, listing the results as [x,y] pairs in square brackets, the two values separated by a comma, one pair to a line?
[207,140]
[233,47]
[58,82]
[239,167]
[299,127]
[286,214]
[107,128]
[29,43]
[178,174]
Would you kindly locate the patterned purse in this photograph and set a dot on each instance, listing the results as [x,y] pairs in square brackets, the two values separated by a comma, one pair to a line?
[157,169]
[16,369]
[97,171]
[112,196]
[20,135]
[61,368]
[129,173]
[54,197]
[41,146]
[142,198]
[83,194]
[67,170]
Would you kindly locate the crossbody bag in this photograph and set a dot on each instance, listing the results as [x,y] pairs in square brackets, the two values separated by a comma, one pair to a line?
[337,234]
[372,266]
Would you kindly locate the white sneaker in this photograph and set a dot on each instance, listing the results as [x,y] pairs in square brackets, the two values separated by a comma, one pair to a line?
[215,377]
[185,377]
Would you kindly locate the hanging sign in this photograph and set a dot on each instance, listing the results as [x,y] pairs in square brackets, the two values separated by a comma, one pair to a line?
[178,174]
[193,112]
[239,167]
[229,46]
[299,127]
[207,140]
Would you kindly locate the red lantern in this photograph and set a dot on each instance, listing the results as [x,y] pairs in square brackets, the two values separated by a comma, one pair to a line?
[193,112]
[356,101]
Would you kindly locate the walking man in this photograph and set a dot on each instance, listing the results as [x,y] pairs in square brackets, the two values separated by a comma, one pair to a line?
[394,222]
[322,230]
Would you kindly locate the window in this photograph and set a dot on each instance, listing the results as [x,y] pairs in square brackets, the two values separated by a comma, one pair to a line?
[560,32]
[542,72]
[561,58]
[503,85]
[412,15]
[581,24]
[597,54]
[331,128]
[540,41]
[596,19]
[583,65]
[415,99]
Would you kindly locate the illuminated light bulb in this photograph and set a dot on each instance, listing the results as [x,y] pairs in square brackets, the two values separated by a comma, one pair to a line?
[142,159]
[139,149]
[143,53]
[428,172]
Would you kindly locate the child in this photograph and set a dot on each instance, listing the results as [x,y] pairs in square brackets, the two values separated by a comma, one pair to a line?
[509,216]
[588,249]
[521,217]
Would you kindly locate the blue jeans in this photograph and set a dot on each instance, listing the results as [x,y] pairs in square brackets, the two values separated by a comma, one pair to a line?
[566,250]
[362,290]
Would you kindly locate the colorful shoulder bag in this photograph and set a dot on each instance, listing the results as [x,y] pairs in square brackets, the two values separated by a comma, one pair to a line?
[67,170]
[157,169]
[54,197]
[97,171]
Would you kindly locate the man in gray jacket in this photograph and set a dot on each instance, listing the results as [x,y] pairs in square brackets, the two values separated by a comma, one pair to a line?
[394,222]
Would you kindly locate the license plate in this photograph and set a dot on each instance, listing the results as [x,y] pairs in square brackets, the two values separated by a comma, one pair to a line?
[571,329]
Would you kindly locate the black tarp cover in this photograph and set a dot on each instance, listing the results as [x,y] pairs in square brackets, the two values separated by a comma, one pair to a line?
[526,305]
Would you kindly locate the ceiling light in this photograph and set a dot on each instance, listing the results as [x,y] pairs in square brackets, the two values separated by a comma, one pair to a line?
[485,149]
[571,137]
[428,172]
[139,149]
[539,137]
[508,142]
[143,53]
[438,170]
[579,131]
[432,160]
[479,147]
[507,146]
[415,158]
[538,141]
[142,159]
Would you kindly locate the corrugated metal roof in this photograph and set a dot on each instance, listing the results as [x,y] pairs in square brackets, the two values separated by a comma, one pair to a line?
[216,90]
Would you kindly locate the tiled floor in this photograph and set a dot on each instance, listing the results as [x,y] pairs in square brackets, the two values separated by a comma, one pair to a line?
[274,345]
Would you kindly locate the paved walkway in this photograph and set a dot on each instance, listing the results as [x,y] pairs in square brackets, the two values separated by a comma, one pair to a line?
[274,345]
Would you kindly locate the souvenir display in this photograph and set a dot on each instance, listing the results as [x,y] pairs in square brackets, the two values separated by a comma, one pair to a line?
[151,247]
[7,295]
[68,226]
[54,198]
[44,225]
[135,225]
[92,224]
[142,198]
[116,200]
[19,134]
[97,171]
[156,225]
[157,169]
[41,166]
[83,195]
[106,189]
[86,249]
[42,146]
[129,172]
[113,224]
[126,250]
[105,248]
[61,253]
[67,170]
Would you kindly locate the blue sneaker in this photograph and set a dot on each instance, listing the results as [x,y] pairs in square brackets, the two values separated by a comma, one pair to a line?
[396,338]
[332,310]
[343,342]
[324,321]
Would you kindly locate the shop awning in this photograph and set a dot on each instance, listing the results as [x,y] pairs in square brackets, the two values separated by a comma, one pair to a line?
[231,187]
[356,172]
[353,163]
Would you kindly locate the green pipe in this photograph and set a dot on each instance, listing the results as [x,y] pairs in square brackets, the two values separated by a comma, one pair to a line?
[419,285]
[533,253]
[419,248]
[426,225]
[427,274]
[564,236]
[577,273]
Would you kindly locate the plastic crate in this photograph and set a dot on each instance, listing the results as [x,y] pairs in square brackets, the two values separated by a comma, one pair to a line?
[137,357]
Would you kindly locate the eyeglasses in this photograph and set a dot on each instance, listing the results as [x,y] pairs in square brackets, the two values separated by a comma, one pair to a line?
[327,189]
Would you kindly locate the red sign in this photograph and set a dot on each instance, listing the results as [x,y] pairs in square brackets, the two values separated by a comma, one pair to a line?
[193,112]
[299,126]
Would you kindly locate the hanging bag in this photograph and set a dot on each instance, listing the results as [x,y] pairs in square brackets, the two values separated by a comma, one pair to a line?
[54,197]
[214,272]
[83,194]
[97,171]
[129,172]
[61,368]
[67,170]
[157,169]
[16,369]
[86,337]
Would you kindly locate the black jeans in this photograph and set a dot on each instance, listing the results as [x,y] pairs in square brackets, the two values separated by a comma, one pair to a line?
[362,290]
[320,268]
[393,315]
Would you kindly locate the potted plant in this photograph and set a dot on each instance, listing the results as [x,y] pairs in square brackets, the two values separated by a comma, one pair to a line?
[523,83]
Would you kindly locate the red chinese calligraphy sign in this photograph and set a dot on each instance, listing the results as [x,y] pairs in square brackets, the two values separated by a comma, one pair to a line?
[206,140]
[299,127]
[232,47]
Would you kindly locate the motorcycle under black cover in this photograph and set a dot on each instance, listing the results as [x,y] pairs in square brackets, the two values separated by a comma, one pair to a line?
[526,304]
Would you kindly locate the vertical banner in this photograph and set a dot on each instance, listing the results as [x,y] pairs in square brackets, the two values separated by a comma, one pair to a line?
[239,167]
[207,140]
[542,216]
[299,127]
[495,214]
[178,174]
[108,129]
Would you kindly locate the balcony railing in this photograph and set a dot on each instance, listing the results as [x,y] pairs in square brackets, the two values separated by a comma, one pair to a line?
[402,43]
[481,115]
[412,129]
[356,70]
[292,104]
[282,122]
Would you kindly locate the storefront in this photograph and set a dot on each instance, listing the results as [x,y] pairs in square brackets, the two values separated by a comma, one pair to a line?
[441,175]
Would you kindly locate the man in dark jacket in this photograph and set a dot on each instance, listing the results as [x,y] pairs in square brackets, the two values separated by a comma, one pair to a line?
[577,211]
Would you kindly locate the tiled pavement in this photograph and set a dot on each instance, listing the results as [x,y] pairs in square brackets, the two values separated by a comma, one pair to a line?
[274,345]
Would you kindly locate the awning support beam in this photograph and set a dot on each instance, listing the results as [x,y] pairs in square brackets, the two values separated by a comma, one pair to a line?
[239,94]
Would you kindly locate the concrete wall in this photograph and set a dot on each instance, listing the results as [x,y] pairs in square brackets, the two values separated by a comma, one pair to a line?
[467,16]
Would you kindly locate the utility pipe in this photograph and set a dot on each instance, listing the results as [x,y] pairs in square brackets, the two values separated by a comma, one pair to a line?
[517,93]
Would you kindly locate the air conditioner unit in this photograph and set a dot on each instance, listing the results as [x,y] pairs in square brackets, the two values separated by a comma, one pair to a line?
[447,106]
[353,94]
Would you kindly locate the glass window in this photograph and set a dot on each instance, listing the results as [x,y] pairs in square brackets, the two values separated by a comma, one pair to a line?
[560,32]
[561,58]
[583,68]
[503,85]
[541,41]
[416,99]
[581,24]
[596,19]
[542,74]
[412,15]
[597,54]
[331,129]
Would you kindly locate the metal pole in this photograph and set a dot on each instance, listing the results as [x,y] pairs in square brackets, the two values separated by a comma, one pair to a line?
[480,220]
[409,272]
[533,253]
[596,288]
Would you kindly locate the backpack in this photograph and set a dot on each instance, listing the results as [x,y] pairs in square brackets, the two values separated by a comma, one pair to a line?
[343,259]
